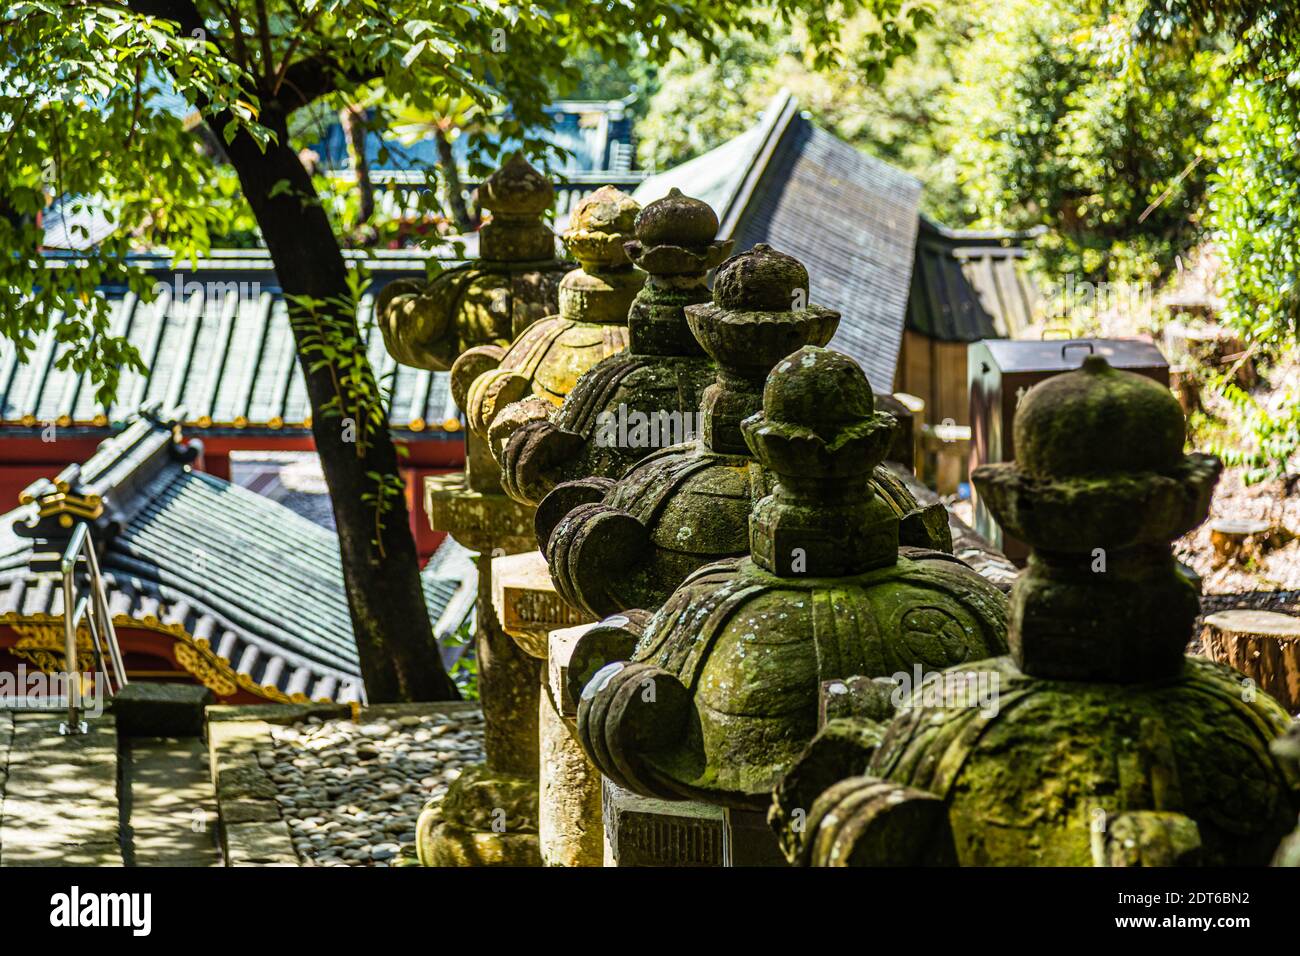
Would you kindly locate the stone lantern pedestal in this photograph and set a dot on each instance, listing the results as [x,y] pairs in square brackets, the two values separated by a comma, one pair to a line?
[489,816]
[530,611]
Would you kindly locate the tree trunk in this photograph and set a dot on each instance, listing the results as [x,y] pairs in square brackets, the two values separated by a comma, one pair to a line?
[352,119]
[455,191]
[390,621]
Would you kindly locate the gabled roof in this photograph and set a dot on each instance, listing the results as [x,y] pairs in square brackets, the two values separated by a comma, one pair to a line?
[252,591]
[970,285]
[849,218]
[217,341]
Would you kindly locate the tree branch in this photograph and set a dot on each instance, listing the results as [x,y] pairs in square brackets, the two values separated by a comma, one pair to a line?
[264,35]
[315,76]
[183,13]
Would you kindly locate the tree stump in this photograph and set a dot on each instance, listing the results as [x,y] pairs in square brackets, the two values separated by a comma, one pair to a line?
[1263,645]
[1235,539]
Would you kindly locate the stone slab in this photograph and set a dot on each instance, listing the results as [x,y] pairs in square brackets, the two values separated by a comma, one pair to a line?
[560,645]
[479,521]
[747,840]
[251,828]
[259,843]
[173,810]
[640,831]
[526,602]
[275,713]
[60,797]
[146,709]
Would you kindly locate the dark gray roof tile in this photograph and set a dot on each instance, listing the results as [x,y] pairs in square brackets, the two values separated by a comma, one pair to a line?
[262,585]
[223,350]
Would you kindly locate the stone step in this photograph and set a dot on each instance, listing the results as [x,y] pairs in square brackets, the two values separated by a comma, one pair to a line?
[171,806]
[60,794]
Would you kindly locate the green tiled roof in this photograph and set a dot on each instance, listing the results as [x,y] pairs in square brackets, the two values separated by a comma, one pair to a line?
[849,218]
[222,348]
[260,583]
[969,285]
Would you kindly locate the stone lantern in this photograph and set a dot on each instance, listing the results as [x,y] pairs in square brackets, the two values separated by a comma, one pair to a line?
[514,282]
[720,694]
[490,814]
[543,363]
[616,545]
[1101,742]
[645,397]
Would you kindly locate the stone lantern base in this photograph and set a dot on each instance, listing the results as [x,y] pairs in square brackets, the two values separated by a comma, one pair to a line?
[488,818]
[489,815]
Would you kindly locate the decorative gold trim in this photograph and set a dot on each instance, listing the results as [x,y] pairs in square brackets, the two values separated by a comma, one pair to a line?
[41,642]
[275,423]
[42,645]
[64,502]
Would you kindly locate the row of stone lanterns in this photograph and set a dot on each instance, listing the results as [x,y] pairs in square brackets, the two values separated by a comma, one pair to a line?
[772,588]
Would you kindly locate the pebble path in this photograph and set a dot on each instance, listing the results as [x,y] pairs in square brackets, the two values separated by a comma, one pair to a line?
[351,792]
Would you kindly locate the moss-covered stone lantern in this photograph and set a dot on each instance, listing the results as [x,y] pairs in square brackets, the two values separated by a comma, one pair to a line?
[720,693]
[615,545]
[514,282]
[1096,741]
[490,814]
[647,396]
[544,362]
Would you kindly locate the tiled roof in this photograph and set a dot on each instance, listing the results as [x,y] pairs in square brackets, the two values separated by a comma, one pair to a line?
[969,285]
[223,349]
[211,562]
[849,218]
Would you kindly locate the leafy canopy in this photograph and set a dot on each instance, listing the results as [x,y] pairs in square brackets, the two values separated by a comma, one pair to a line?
[98,102]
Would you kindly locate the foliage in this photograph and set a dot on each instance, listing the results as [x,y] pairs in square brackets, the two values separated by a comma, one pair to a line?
[81,82]
[465,671]
[881,96]
[78,85]
[1252,196]
[718,94]
[1254,209]
[1262,438]
[1060,121]
[329,339]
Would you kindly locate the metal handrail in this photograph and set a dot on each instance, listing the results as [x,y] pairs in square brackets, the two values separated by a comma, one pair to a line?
[94,608]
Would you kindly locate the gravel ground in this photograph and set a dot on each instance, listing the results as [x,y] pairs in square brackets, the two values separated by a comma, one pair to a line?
[351,792]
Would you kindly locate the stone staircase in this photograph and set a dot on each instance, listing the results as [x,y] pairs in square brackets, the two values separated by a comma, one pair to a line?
[60,805]
[171,807]
[102,798]
[162,779]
